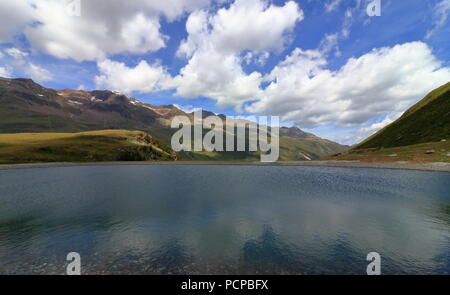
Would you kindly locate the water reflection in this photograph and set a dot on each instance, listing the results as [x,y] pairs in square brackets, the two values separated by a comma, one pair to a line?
[223,220]
[270,254]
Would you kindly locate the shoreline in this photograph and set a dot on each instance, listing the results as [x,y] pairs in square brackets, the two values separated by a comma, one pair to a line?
[436,166]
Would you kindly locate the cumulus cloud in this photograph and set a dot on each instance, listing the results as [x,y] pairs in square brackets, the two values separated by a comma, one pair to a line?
[441,13]
[14,16]
[380,82]
[105,27]
[5,72]
[227,83]
[142,78]
[246,24]
[215,43]
[20,60]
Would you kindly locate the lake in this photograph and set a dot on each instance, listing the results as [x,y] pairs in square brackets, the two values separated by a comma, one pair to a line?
[207,219]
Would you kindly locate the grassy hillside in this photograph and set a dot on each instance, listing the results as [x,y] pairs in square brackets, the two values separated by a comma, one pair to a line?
[418,153]
[427,121]
[307,149]
[105,145]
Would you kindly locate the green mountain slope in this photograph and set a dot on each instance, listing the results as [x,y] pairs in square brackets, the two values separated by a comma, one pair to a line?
[92,146]
[308,149]
[426,121]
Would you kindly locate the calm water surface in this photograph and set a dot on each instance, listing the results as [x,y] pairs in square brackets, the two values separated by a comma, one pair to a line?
[224,220]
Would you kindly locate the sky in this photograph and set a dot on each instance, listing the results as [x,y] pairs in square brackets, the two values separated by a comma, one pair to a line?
[341,69]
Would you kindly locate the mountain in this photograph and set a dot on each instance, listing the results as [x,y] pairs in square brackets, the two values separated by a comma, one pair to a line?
[105,145]
[28,107]
[426,121]
[421,134]
[296,133]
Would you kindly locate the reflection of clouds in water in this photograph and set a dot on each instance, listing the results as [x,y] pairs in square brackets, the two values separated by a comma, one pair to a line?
[172,257]
[269,253]
[197,219]
[398,234]
[168,257]
[129,236]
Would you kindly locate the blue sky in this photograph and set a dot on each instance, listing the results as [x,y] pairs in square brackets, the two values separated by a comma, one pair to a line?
[324,66]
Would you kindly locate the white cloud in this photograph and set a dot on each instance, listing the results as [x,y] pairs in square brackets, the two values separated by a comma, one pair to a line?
[219,77]
[5,72]
[246,25]
[16,53]
[105,27]
[38,74]
[330,43]
[256,58]
[376,126]
[143,78]
[383,81]
[215,43]
[14,16]
[21,61]
[348,22]
[187,108]
[332,5]
[441,13]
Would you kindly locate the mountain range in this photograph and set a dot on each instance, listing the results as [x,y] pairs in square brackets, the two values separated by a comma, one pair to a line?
[27,107]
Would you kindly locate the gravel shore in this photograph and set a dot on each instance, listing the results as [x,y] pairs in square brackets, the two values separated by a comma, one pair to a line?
[438,166]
